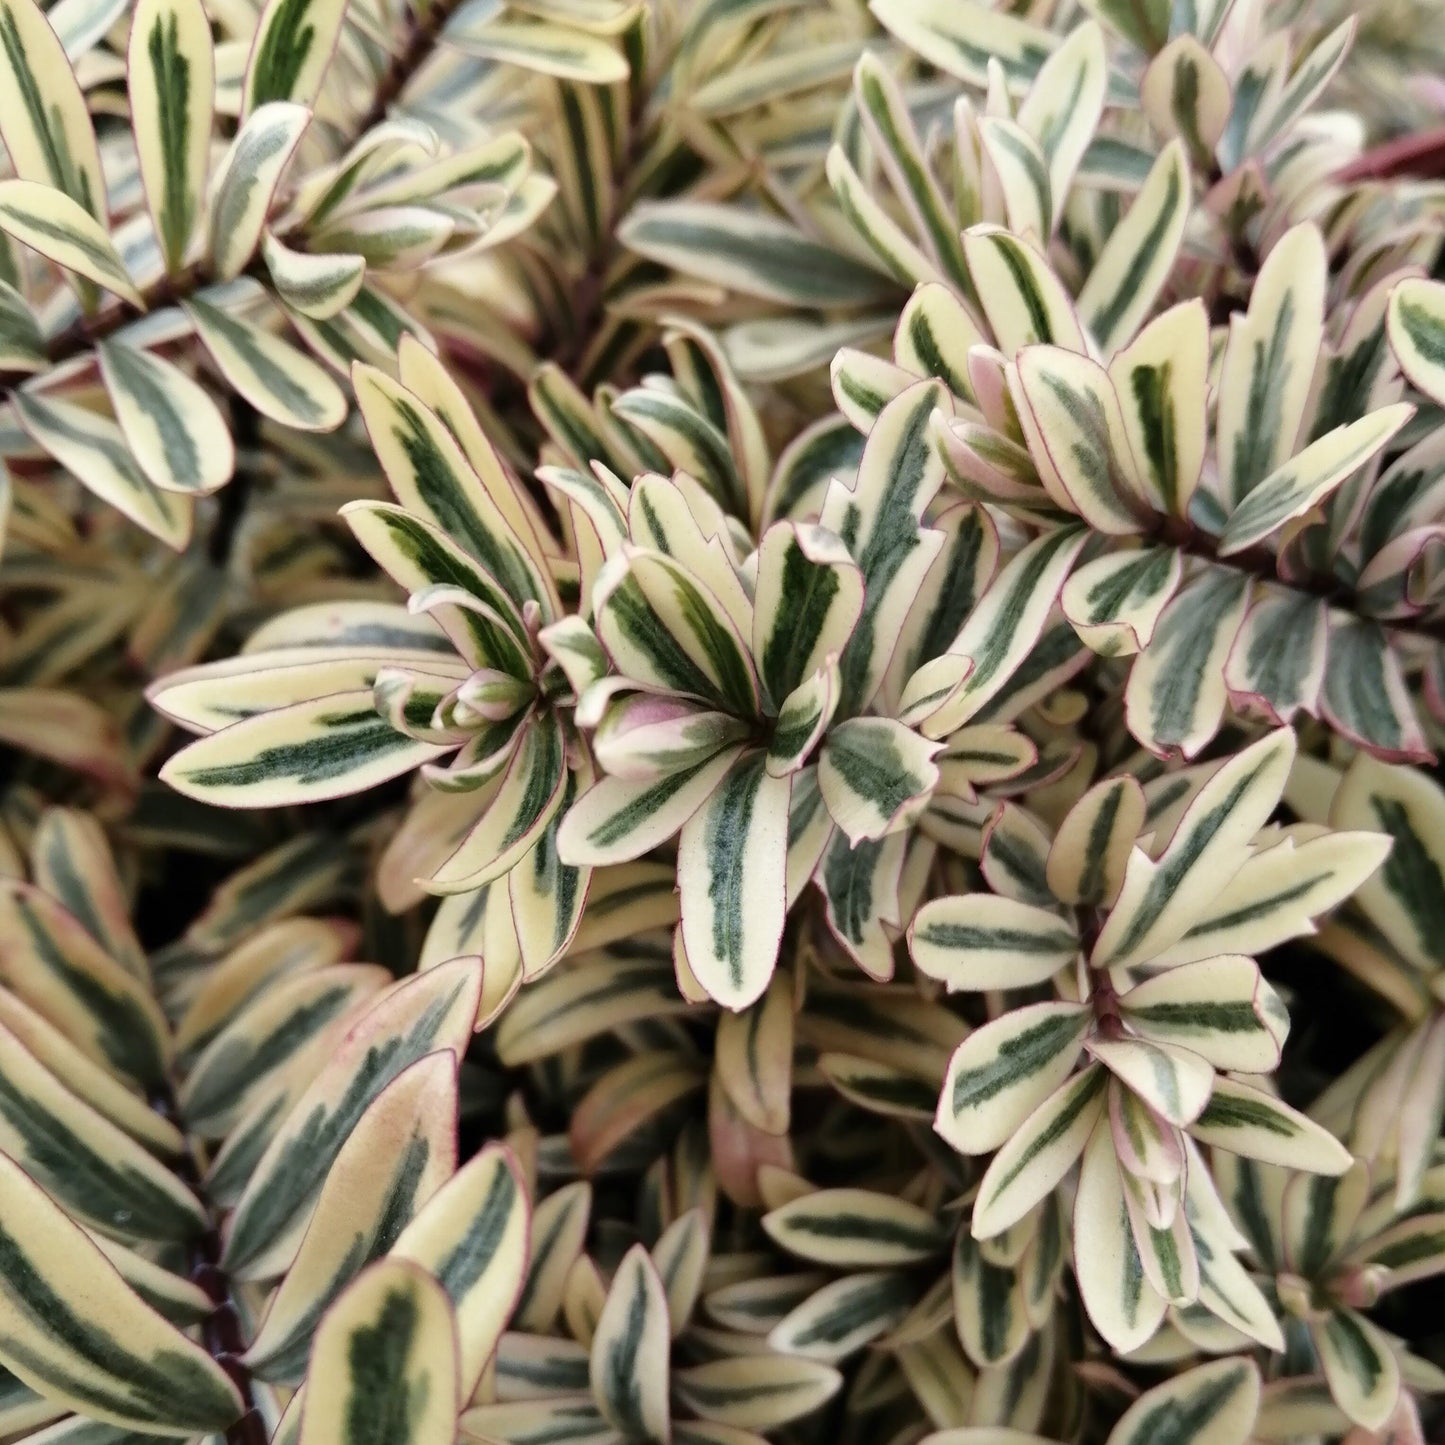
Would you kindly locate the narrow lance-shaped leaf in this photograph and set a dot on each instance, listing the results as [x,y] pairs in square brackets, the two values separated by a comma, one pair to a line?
[291,51]
[1123,1306]
[431,476]
[472,1237]
[172,81]
[73,863]
[70,1327]
[1417,333]
[433,1010]
[401,1151]
[281,382]
[46,126]
[961,37]
[629,1357]
[855,1229]
[750,252]
[997,637]
[1074,427]
[845,1315]
[317,285]
[22,348]
[175,432]
[876,776]
[1176,693]
[732,870]
[326,748]
[50,222]
[879,519]
[885,112]
[809,595]
[1269,364]
[999,1075]
[1214,1404]
[94,449]
[1360,1365]
[1025,303]
[87,1163]
[983,941]
[1161,379]
[1160,900]
[1249,1121]
[1139,255]
[248,176]
[50,961]
[384,1370]
[284,1023]
[1042,1150]
[562,51]
[1310,476]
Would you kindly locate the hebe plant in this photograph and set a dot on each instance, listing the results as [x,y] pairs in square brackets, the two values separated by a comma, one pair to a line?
[814,643]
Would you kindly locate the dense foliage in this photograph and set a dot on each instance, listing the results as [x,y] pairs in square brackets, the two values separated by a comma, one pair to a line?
[721,722]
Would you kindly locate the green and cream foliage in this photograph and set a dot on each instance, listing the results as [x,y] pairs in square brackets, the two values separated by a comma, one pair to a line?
[1142,910]
[319,1101]
[1329,1250]
[1392,1102]
[845,597]
[166,265]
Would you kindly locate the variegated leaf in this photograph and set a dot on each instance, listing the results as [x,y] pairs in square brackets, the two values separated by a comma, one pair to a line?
[876,776]
[172,74]
[290,51]
[1309,477]
[384,1369]
[47,130]
[325,748]
[1360,1365]
[1000,1074]
[433,1010]
[175,432]
[752,1392]
[1219,1007]
[317,285]
[1038,1155]
[749,252]
[732,871]
[961,37]
[1025,303]
[980,941]
[279,381]
[855,1229]
[472,1237]
[75,1331]
[842,1317]
[1417,334]
[629,1356]
[50,222]
[401,1151]
[1124,1307]
[1402,898]
[247,177]
[1269,364]
[1139,255]
[1161,379]
[1217,1402]
[1248,1121]
[1161,900]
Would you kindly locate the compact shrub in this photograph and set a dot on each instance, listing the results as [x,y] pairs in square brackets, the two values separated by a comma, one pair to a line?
[721,722]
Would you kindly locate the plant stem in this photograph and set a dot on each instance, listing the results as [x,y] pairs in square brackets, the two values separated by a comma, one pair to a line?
[233,499]
[421,41]
[221,1331]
